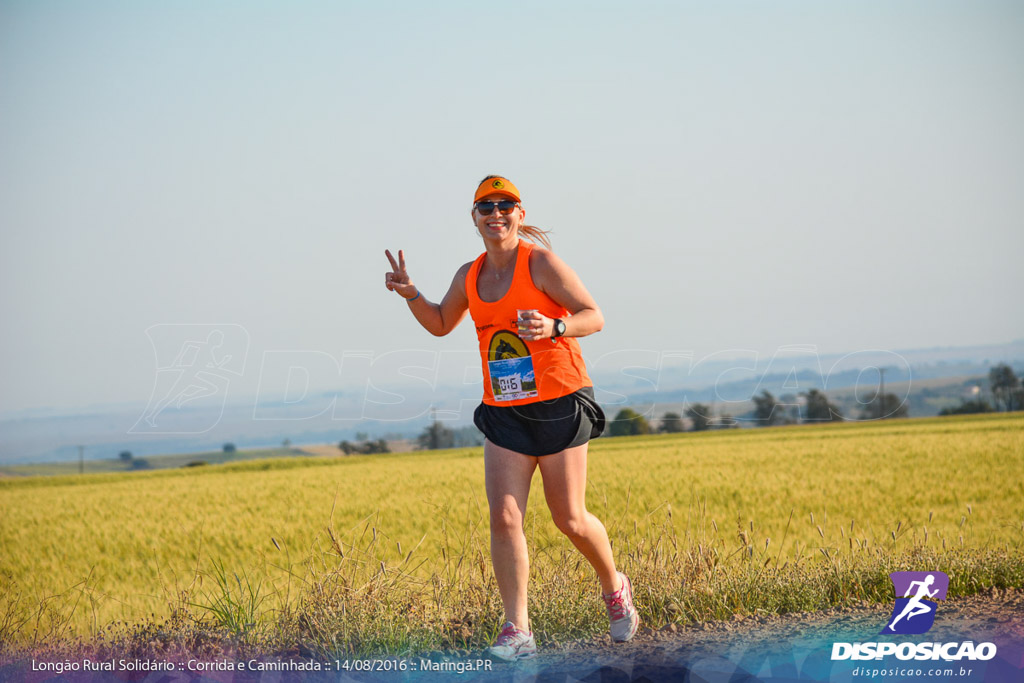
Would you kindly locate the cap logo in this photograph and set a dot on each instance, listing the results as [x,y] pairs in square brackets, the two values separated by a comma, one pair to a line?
[498,185]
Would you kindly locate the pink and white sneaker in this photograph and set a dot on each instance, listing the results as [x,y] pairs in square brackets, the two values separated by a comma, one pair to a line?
[621,611]
[514,644]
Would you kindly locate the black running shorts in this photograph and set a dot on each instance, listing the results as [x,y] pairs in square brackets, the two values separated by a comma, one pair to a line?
[544,427]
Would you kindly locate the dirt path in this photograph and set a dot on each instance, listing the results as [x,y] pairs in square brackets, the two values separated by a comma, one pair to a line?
[790,647]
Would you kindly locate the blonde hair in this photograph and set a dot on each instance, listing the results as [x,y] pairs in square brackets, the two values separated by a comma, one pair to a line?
[530,232]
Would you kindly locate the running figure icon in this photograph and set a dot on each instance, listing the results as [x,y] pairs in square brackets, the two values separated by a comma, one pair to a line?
[194,364]
[915,606]
[197,364]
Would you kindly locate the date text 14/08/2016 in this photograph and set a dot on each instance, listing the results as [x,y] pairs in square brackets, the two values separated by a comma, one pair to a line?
[457,666]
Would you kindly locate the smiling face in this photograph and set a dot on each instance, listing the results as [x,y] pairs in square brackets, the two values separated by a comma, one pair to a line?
[497,226]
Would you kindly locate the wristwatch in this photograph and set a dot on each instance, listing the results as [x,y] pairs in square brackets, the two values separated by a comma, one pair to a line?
[558,330]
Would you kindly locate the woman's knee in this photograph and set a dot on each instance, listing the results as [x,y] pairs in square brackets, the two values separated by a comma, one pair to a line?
[572,524]
[506,521]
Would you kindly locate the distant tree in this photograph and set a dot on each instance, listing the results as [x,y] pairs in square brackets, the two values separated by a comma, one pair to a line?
[628,422]
[890,405]
[1004,383]
[368,447]
[362,436]
[819,408]
[700,416]
[978,405]
[671,423]
[140,464]
[286,443]
[378,446]
[126,456]
[229,447]
[767,410]
[436,436]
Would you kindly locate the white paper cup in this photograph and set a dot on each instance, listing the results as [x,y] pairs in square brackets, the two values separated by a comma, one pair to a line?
[520,312]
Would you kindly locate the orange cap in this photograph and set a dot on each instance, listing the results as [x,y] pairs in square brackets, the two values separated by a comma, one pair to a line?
[496,185]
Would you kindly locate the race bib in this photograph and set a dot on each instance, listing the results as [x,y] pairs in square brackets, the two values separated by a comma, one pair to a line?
[512,378]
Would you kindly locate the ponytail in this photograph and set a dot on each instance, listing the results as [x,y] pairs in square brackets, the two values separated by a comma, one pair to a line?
[535,234]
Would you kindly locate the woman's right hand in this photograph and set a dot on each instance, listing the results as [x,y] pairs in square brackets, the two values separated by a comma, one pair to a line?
[398,279]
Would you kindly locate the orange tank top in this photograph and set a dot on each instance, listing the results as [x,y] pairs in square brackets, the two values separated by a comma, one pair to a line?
[516,371]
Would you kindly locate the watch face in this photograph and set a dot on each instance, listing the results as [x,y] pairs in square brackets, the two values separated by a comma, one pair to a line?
[559,328]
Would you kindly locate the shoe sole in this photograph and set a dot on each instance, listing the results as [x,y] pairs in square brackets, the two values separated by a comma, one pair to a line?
[631,633]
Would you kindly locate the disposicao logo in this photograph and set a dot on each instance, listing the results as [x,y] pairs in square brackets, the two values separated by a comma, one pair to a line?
[916,595]
[914,613]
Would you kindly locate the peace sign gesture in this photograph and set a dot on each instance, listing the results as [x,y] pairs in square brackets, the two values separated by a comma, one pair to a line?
[398,279]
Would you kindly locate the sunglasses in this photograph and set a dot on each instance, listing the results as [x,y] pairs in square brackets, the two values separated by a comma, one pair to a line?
[505,207]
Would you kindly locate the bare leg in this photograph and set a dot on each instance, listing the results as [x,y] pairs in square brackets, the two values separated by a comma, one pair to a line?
[565,488]
[508,475]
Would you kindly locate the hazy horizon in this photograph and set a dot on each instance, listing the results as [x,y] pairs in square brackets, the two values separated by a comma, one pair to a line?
[644,380]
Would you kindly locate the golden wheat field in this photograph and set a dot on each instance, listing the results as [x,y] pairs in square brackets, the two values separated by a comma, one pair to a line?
[122,547]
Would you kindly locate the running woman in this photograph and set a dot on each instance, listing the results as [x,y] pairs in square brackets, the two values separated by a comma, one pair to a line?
[538,407]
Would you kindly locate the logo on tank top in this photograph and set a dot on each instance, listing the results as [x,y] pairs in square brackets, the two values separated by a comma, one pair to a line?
[506,345]
[510,368]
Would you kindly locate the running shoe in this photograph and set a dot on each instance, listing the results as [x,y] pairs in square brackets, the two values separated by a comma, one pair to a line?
[514,644]
[622,612]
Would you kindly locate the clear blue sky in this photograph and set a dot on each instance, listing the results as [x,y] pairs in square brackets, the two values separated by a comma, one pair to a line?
[722,175]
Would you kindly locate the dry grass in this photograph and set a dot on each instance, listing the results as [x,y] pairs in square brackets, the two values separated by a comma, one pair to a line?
[389,553]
